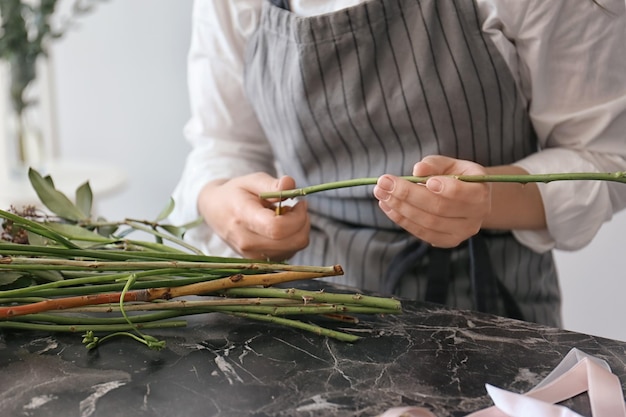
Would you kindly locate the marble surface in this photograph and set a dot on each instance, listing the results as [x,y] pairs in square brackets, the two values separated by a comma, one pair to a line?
[227,366]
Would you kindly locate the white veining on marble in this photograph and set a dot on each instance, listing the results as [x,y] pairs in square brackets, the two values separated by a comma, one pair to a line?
[88,406]
[318,404]
[300,349]
[49,343]
[526,376]
[336,363]
[38,401]
[227,369]
[247,349]
[144,406]
[47,375]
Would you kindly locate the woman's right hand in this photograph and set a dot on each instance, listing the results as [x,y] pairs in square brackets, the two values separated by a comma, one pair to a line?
[232,209]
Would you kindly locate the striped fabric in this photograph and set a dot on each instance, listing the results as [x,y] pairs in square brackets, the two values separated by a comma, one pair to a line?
[372,89]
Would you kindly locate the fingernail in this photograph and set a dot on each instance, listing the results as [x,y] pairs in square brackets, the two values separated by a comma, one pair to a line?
[434,185]
[386,184]
[383,188]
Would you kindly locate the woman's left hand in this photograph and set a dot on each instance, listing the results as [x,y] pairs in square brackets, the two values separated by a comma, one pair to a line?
[445,211]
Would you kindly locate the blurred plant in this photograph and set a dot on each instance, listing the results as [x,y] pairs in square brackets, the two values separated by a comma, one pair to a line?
[26,30]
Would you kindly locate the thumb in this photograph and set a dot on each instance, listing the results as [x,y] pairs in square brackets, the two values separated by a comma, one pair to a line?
[284,183]
[433,165]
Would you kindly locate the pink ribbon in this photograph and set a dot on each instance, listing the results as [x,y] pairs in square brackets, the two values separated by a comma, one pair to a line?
[575,374]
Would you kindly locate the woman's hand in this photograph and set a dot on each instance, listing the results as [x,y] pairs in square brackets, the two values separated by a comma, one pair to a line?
[250,225]
[445,211]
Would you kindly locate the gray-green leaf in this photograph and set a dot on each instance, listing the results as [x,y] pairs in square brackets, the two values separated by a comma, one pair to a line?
[75,232]
[166,211]
[53,199]
[9,277]
[84,198]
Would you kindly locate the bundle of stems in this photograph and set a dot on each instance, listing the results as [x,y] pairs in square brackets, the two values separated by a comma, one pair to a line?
[66,272]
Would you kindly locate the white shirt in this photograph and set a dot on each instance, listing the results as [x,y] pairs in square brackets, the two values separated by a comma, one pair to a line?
[571,71]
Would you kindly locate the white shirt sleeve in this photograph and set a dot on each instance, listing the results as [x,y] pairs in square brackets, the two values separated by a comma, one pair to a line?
[571,65]
[226,138]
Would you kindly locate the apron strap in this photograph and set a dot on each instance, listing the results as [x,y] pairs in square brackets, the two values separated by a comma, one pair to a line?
[401,263]
[439,263]
[487,289]
[283,4]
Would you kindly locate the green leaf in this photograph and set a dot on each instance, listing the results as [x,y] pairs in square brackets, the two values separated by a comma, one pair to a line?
[48,275]
[49,180]
[53,199]
[166,211]
[38,240]
[84,199]
[174,230]
[106,230]
[23,280]
[75,232]
[193,224]
[9,277]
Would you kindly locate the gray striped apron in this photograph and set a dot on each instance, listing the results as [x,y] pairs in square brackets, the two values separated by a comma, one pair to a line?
[372,89]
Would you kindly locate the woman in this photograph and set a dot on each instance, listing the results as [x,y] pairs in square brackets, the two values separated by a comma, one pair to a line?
[331,90]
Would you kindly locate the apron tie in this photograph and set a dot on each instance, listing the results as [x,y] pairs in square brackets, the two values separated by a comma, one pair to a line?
[487,290]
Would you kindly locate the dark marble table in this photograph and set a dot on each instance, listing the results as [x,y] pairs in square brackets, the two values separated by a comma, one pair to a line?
[227,366]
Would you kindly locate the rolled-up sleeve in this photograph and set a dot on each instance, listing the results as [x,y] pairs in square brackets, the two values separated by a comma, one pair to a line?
[572,70]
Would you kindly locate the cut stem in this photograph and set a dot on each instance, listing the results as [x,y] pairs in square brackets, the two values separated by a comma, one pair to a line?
[345,337]
[24,263]
[522,179]
[316,296]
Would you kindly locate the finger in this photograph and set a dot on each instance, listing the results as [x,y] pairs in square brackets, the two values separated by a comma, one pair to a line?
[281,184]
[433,229]
[267,225]
[443,196]
[275,245]
[454,198]
[433,165]
[444,165]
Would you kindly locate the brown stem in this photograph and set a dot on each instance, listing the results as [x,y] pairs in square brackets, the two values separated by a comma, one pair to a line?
[234,281]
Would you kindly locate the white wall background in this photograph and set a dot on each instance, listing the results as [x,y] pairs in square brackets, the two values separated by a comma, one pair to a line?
[121,93]
[121,97]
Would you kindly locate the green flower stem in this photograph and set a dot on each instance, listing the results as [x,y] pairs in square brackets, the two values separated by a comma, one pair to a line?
[304,309]
[276,309]
[100,288]
[97,279]
[316,296]
[148,340]
[93,342]
[22,300]
[71,328]
[522,179]
[21,263]
[138,226]
[112,255]
[79,320]
[344,337]
[186,305]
